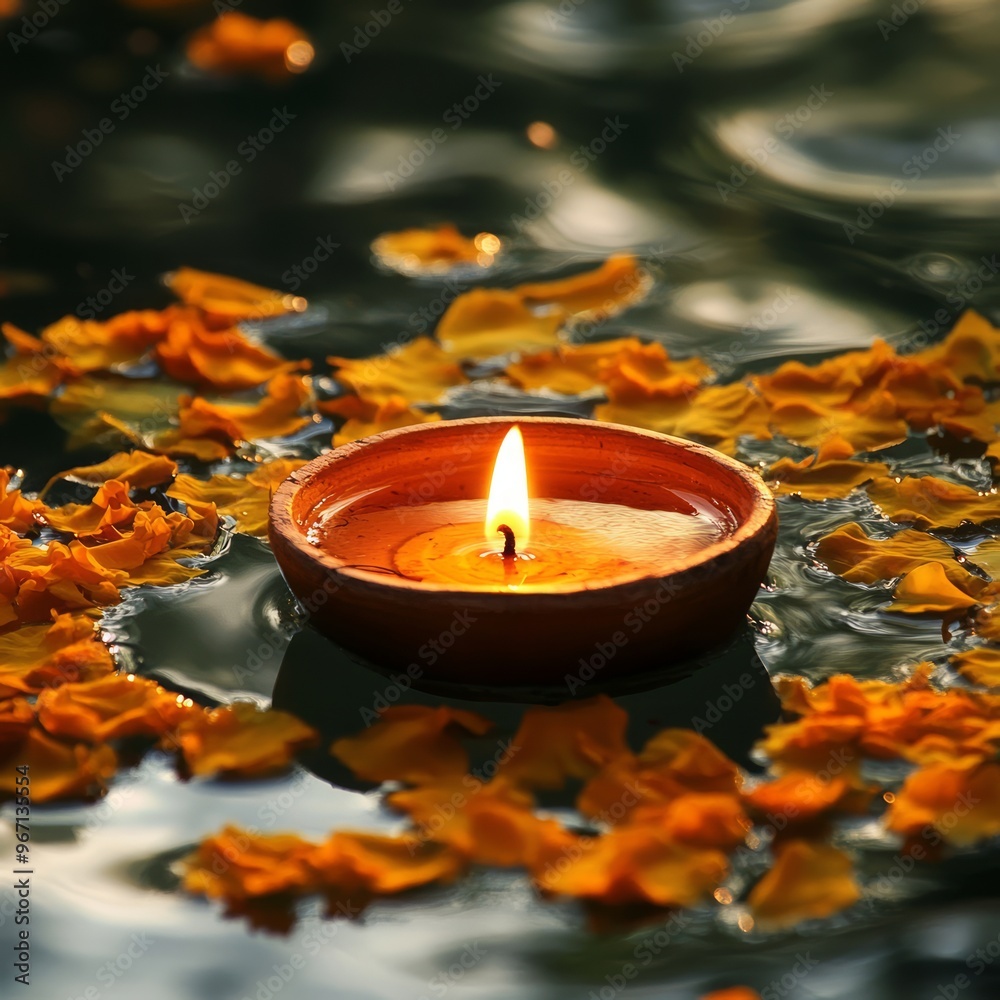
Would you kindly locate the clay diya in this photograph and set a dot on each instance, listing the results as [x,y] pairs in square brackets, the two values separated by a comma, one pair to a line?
[528,550]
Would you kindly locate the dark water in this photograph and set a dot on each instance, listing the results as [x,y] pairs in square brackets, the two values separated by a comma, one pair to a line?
[800,177]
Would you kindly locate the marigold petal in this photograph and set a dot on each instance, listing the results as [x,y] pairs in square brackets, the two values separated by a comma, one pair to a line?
[420,372]
[412,743]
[245,499]
[110,708]
[619,282]
[240,739]
[961,802]
[58,770]
[927,502]
[367,417]
[850,553]
[930,589]
[39,656]
[807,881]
[224,300]
[433,251]
[564,741]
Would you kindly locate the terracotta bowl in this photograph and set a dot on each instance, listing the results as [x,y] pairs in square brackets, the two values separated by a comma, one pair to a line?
[693,606]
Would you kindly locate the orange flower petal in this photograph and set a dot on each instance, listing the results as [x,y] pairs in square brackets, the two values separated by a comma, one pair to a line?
[88,345]
[245,499]
[845,719]
[58,770]
[929,589]
[718,415]
[31,373]
[239,739]
[411,743]
[110,708]
[236,864]
[850,553]
[927,502]
[420,372]
[698,820]
[17,718]
[980,666]
[827,475]
[239,44]
[801,796]
[433,251]
[105,410]
[569,740]
[111,505]
[223,425]
[617,283]
[674,763]
[693,760]
[961,802]
[872,425]
[382,865]
[486,322]
[139,469]
[808,881]
[632,865]
[221,359]
[367,417]
[832,383]
[487,822]
[570,369]
[224,300]
[733,993]
[38,656]
[17,512]
[971,350]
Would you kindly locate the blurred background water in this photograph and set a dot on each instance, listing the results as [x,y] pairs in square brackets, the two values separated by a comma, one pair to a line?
[800,176]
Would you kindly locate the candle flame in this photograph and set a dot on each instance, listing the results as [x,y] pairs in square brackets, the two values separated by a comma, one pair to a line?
[508,501]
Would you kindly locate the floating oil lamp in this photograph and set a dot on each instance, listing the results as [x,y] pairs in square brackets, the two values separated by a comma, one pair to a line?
[603,543]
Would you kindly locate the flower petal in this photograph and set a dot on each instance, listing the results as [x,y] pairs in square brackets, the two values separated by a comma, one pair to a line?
[239,739]
[807,881]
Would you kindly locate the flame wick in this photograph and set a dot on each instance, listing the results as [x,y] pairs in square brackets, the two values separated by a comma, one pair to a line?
[509,550]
